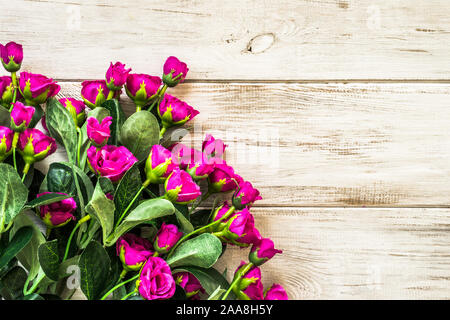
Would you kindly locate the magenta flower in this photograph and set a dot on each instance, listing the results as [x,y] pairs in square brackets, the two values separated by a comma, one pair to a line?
[183,155]
[190,284]
[167,236]
[94,92]
[201,166]
[180,188]
[21,116]
[275,292]
[240,228]
[213,147]
[174,71]
[6,138]
[33,146]
[110,161]
[11,55]
[116,76]
[98,133]
[141,88]
[36,88]
[245,195]
[59,213]
[262,251]
[155,280]
[76,109]
[6,91]
[133,251]
[173,111]
[223,178]
[250,286]
[159,164]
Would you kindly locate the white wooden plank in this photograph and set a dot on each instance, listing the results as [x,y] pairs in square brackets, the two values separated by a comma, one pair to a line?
[252,39]
[331,144]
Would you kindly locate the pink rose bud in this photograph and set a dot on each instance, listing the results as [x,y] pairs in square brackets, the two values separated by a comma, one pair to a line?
[213,147]
[6,138]
[21,116]
[12,56]
[250,286]
[240,229]
[167,236]
[245,195]
[174,71]
[223,178]
[33,146]
[190,284]
[116,76]
[110,161]
[36,88]
[94,92]
[141,88]
[180,188]
[275,292]
[262,251]
[6,91]
[133,251]
[76,109]
[98,133]
[59,213]
[173,111]
[159,164]
[155,280]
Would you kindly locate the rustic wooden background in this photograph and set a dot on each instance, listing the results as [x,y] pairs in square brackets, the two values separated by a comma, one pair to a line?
[337,110]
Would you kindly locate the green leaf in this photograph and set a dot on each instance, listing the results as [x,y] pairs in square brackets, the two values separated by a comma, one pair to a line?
[128,187]
[210,278]
[20,239]
[13,282]
[201,251]
[31,296]
[139,133]
[49,259]
[216,294]
[61,126]
[94,270]
[144,212]
[118,116]
[102,209]
[38,113]
[182,214]
[65,268]
[13,194]
[60,179]
[5,117]
[45,199]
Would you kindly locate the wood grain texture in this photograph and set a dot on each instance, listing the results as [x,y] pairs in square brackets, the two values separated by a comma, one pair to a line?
[384,145]
[249,39]
[354,253]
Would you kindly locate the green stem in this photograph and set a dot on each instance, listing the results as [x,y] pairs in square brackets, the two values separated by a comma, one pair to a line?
[16,87]
[79,223]
[110,95]
[118,286]
[122,274]
[128,295]
[237,279]
[199,230]
[35,284]
[79,146]
[138,108]
[14,158]
[161,133]
[144,185]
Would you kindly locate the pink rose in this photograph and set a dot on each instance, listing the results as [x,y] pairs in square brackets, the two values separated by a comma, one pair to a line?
[11,55]
[174,71]
[173,111]
[33,145]
[21,116]
[6,137]
[94,92]
[76,109]
[250,286]
[6,91]
[110,161]
[190,284]
[159,164]
[141,88]
[180,188]
[133,251]
[167,236]
[213,147]
[223,178]
[36,88]
[59,213]
[245,195]
[262,251]
[275,292]
[98,133]
[116,76]
[155,280]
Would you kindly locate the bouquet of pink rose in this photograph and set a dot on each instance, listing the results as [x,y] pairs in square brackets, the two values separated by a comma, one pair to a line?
[120,215]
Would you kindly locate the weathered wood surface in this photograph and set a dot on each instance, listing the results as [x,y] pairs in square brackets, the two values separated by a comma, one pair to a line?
[248,39]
